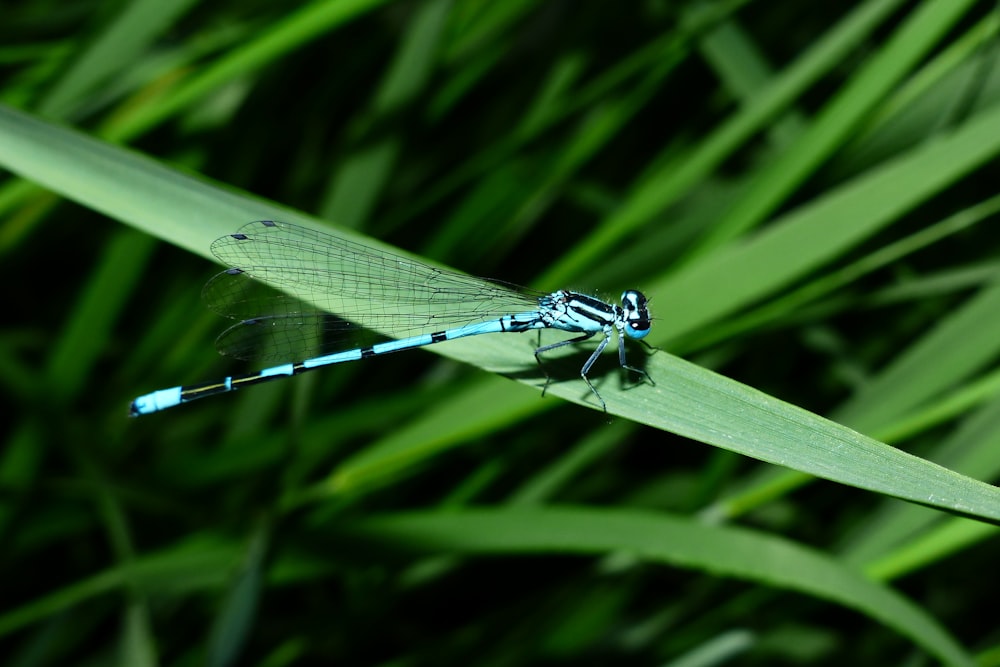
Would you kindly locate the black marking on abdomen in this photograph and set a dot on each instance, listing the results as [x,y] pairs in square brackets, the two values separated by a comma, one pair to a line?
[367,353]
[439,336]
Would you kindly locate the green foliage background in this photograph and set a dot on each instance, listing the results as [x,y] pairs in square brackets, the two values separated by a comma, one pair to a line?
[806,192]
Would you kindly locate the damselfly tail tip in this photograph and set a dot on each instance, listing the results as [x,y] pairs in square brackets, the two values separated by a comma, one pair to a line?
[154,402]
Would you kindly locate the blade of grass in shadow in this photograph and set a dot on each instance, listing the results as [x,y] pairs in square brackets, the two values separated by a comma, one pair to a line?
[115,47]
[138,641]
[509,216]
[147,111]
[668,183]
[962,344]
[926,102]
[663,53]
[137,627]
[740,274]
[234,623]
[778,309]
[972,394]
[550,480]
[744,71]
[666,540]
[197,564]
[929,548]
[928,23]
[293,31]
[359,177]
[402,451]
[76,351]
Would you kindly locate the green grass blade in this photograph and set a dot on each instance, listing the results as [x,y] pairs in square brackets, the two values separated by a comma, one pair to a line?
[121,41]
[740,274]
[661,539]
[698,404]
[665,185]
[193,565]
[688,400]
[294,30]
[961,345]
[360,177]
[912,40]
[771,174]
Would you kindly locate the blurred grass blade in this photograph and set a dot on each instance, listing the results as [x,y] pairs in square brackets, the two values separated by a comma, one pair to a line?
[138,644]
[662,539]
[741,274]
[195,565]
[963,344]
[235,620]
[930,548]
[777,310]
[103,299]
[359,177]
[293,31]
[665,185]
[120,42]
[927,24]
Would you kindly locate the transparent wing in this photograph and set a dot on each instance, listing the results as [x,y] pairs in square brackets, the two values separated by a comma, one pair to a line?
[274,326]
[297,292]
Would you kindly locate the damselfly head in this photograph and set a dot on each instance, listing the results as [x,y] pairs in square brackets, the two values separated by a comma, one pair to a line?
[635,313]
